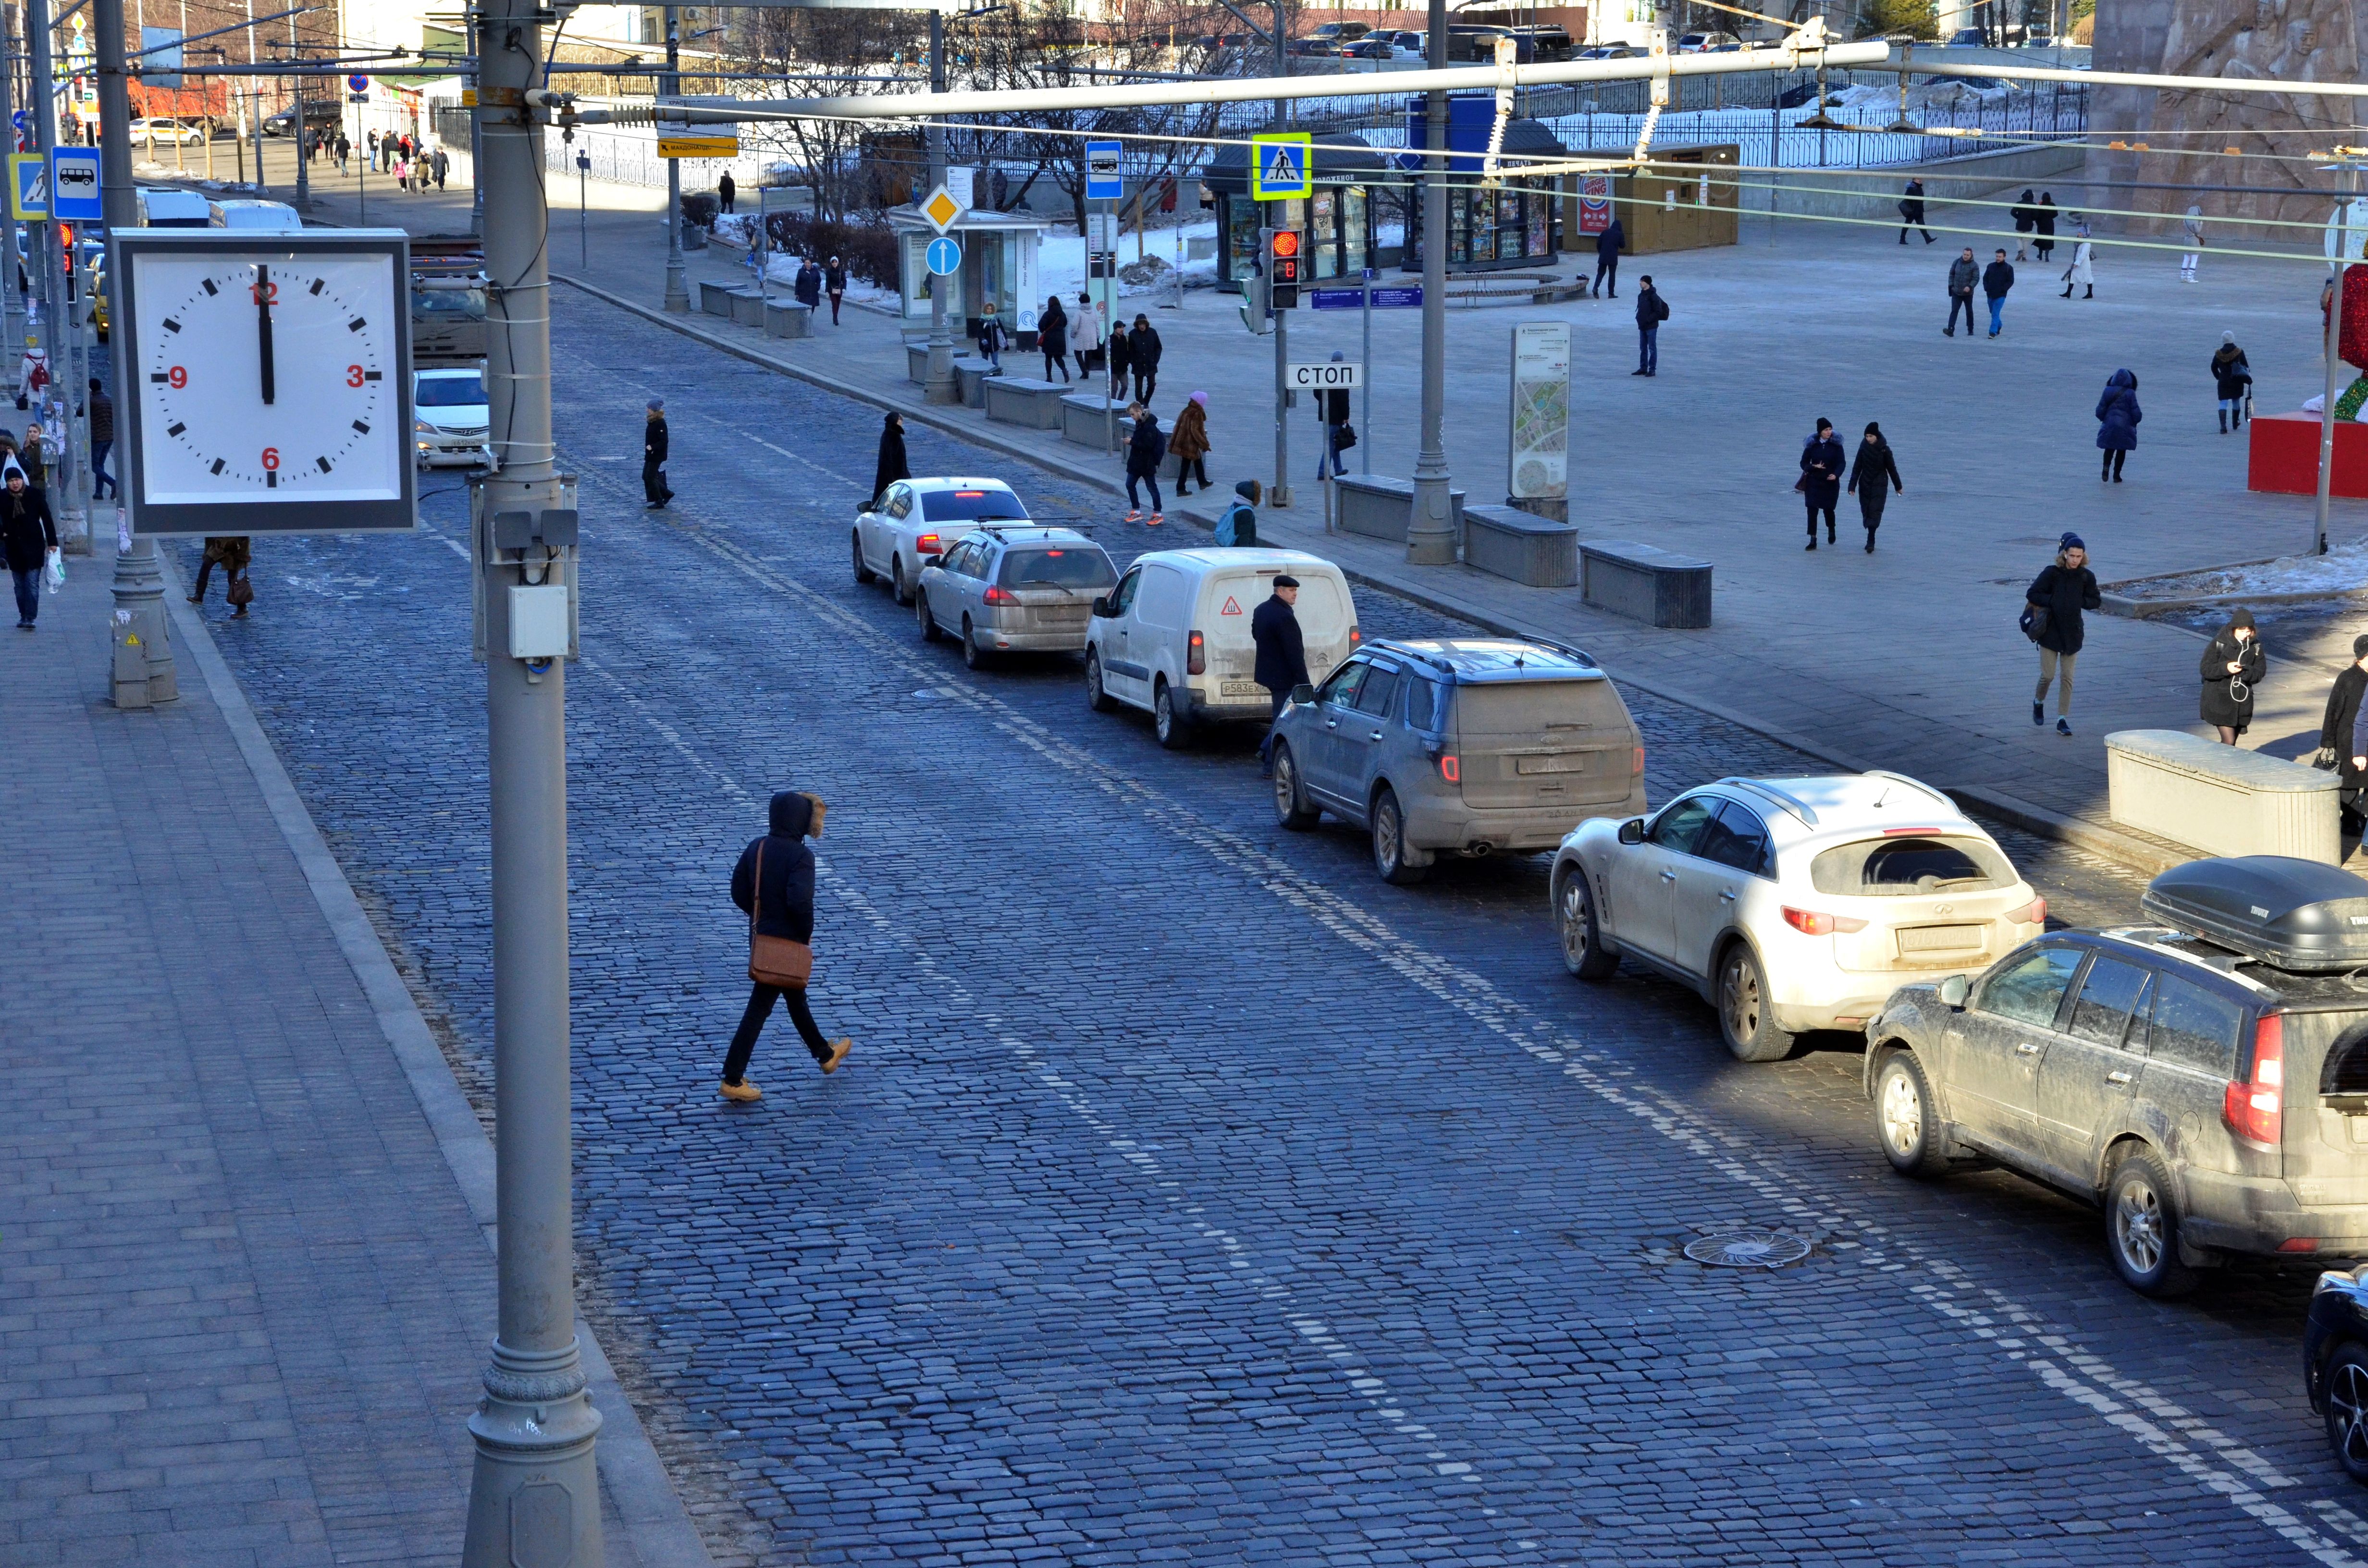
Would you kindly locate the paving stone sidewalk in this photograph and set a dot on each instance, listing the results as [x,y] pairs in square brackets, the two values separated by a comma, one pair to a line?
[244,1301]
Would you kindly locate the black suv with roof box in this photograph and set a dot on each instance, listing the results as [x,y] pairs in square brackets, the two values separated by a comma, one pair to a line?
[2205,1080]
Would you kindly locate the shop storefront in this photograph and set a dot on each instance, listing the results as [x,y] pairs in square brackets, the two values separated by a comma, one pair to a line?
[1515,223]
[1351,222]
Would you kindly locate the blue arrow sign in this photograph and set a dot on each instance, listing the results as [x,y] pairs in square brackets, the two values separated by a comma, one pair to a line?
[944,257]
[1103,181]
[1404,297]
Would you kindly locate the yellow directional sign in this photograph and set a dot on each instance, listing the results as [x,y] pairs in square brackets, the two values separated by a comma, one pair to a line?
[941,209]
[698,146]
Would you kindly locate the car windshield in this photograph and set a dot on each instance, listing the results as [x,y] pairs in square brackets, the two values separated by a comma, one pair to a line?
[986,505]
[1908,864]
[449,391]
[1059,566]
[448,301]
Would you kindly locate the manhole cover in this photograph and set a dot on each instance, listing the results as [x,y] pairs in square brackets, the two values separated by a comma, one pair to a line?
[1748,1249]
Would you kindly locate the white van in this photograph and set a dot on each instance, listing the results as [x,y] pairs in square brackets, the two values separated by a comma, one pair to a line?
[258,216]
[163,208]
[1173,636]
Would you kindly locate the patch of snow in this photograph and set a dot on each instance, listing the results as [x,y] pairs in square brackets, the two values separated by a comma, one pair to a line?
[2342,569]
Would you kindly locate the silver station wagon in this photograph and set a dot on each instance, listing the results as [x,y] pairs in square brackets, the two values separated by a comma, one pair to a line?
[2208,1086]
[1013,588]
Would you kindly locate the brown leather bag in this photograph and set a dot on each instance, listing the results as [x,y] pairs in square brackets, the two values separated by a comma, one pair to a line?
[240,592]
[774,960]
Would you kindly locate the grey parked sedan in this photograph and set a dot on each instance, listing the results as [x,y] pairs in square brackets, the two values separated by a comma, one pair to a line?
[1013,588]
[1461,746]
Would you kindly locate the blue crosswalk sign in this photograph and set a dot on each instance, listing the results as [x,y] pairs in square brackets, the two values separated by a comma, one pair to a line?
[1281,165]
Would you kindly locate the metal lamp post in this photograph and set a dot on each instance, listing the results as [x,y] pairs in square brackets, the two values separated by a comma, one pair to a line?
[677,295]
[1431,532]
[941,387]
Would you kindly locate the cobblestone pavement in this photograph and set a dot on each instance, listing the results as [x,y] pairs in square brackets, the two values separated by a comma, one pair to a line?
[1190,1195]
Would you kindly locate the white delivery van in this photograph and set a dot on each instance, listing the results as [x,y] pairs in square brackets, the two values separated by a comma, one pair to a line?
[161,207]
[1173,636]
[247,212]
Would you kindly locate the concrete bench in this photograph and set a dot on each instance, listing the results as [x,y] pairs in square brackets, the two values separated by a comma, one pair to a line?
[1017,399]
[2221,799]
[972,376]
[1527,548]
[1645,583]
[1381,507]
[748,307]
[917,363]
[786,318]
[1086,419]
[715,299]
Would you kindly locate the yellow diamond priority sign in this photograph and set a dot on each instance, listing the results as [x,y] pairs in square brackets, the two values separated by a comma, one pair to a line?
[941,209]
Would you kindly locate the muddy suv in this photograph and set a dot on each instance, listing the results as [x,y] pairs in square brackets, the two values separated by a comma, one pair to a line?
[2205,1081]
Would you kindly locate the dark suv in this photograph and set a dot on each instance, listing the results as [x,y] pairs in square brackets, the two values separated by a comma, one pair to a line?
[2214,1103]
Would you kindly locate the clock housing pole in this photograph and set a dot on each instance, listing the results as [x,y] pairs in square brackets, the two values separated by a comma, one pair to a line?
[534,1498]
[139,587]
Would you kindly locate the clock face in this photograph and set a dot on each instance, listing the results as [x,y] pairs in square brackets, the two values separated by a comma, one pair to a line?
[269,378]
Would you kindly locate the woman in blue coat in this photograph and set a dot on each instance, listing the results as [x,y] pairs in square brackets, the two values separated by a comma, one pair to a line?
[1822,461]
[2117,421]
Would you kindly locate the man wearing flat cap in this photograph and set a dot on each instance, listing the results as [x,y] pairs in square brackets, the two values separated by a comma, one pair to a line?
[1282,657]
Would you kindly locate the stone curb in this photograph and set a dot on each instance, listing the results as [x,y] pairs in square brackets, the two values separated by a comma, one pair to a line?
[661,1534]
[2110,842]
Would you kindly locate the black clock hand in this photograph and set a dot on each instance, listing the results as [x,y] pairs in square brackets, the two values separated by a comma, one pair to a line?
[263,327]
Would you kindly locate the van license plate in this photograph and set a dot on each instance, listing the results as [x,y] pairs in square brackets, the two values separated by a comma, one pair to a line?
[1240,688]
[1562,762]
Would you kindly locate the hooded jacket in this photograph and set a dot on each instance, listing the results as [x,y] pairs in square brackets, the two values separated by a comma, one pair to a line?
[2339,730]
[2220,705]
[2230,374]
[891,466]
[784,906]
[1142,347]
[1872,466]
[2026,217]
[1146,448]
[2118,414]
[2063,592]
[653,440]
[1611,241]
[26,532]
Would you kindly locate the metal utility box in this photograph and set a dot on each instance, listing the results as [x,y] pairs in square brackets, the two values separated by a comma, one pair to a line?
[538,621]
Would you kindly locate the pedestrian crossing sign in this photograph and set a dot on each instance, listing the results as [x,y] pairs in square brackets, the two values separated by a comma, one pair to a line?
[29,188]
[1281,165]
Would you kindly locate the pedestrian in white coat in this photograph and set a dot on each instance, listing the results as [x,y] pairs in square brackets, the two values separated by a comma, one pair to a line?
[2082,274]
[2194,254]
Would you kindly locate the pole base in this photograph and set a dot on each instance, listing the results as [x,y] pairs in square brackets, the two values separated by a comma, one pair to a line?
[1278,495]
[1431,530]
[534,1497]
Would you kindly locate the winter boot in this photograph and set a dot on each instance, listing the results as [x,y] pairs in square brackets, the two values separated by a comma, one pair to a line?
[1830,533]
[2091,294]
[2068,291]
[2223,422]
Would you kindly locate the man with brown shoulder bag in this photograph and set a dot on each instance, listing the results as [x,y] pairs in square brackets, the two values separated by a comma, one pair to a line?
[774,886]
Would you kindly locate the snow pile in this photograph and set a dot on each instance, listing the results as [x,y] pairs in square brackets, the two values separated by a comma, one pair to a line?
[2342,570]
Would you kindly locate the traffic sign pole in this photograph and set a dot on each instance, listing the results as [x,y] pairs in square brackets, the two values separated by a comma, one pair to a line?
[941,387]
[1430,535]
[1106,183]
[1365,410]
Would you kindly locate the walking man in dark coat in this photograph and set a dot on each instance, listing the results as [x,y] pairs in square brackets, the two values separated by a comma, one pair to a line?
[1651,312]
[2342,738]
[890,465]
[2059,596]
[724,191]
[27,535]
[1997,279]
[653,455]
[1607,247]
[1963,273]
[1911,211]
[774,885]
[1281,658]
[1822,461]
[1142,347]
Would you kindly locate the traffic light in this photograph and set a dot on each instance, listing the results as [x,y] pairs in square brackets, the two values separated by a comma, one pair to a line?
[1284,262]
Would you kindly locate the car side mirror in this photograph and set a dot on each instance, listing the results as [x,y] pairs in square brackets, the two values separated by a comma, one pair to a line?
[1955,990]
[933,560]
[1103,608]
[1633,831]
[1303,694]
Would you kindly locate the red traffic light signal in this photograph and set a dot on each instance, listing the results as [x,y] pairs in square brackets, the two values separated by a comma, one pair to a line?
[1284,251]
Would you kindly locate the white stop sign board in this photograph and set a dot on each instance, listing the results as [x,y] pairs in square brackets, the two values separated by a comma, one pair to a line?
[1328,375]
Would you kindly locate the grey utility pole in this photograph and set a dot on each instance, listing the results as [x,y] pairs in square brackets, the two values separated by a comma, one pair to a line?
[1280,494]
[1431,532]
[476,132]
[302,127]
[941,387]
[12,303]
[57,341]
[2342,259]
[534,1496]
[677,295]
[139,587]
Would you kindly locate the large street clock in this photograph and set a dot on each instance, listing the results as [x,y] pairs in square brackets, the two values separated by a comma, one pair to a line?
[271,380]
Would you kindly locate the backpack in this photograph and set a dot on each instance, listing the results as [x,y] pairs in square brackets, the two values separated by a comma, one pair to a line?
[1237,527]
[1661,306]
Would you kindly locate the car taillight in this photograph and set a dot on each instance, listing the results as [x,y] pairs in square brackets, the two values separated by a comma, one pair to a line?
[1355,636]
[1196,655]
[1001,596]
[1816,923]
[1451,769]
[928,545]
[2032,913]
[1636,764]
[2254,1110]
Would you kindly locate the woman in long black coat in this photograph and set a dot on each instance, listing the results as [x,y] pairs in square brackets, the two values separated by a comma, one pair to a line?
[2232,667]
[2058,596]
[2340,735]
[1052,338]
[2042,221]
[1822,461]
[1872,469]
[891,466]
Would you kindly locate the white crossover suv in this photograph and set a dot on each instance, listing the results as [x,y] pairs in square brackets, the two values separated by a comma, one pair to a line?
[1791,904]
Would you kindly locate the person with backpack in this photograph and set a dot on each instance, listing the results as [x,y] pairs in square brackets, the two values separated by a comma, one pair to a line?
[2232,381]
[1188,442]
[1144,450]
[1238,524]
[773,885]
[1651,312]
[2052,607]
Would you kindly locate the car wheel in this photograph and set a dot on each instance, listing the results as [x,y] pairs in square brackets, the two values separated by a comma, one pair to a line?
[864,575]
[2347,1409]
[1391,858]
[1745,1016]
[974,656]
[1167,720]
[1291,807]
[1904,1118]
[929,623]
[1096,698]
[1583,952]
[2141,1229]
[904,591]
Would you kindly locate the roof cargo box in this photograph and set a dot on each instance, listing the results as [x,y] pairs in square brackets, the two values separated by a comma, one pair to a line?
[2290,913]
